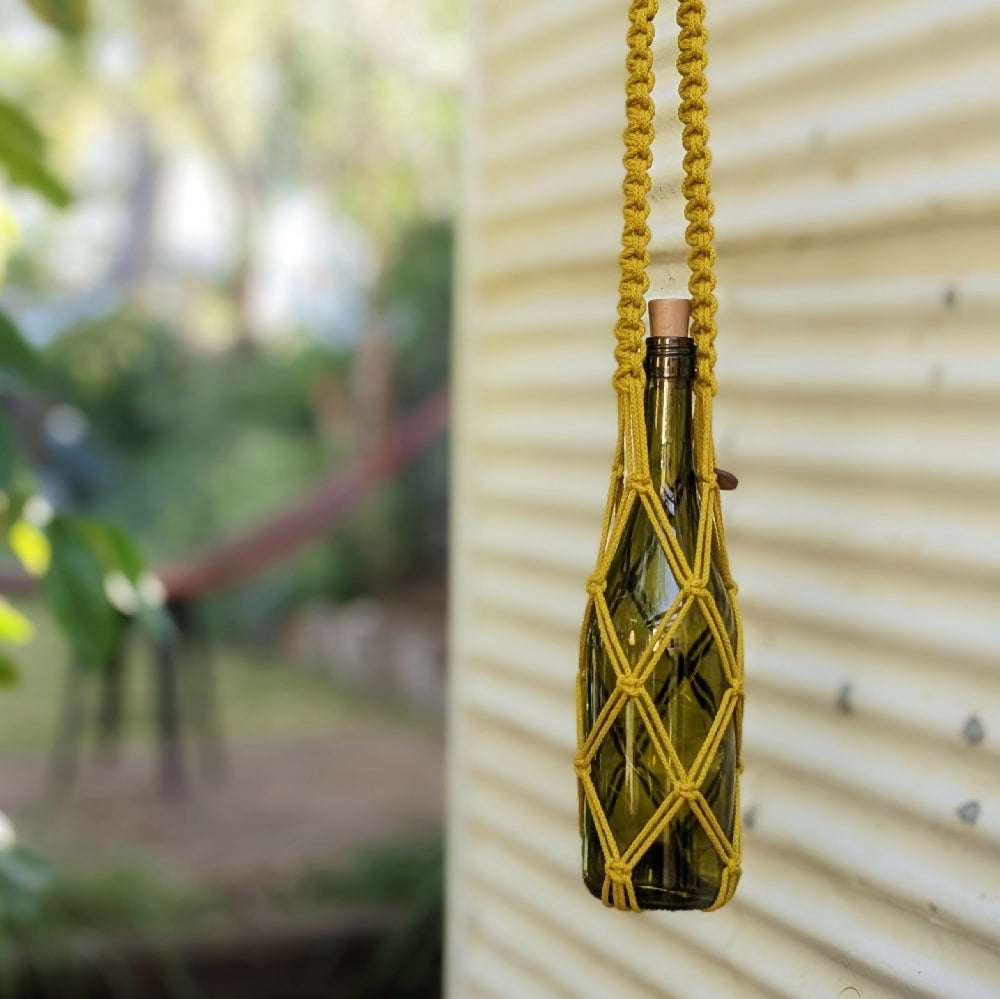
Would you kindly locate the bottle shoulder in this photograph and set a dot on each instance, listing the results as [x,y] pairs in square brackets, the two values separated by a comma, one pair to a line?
[641,585]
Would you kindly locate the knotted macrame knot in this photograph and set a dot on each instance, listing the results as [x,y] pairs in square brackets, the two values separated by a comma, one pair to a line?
[638,482]
[596,585]
[629,374]
[582,766]
[709,385]
[630,686]
[698,592]
[687,790]
[618,872]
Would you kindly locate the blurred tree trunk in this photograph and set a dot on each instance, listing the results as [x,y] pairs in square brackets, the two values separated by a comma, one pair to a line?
[372,396]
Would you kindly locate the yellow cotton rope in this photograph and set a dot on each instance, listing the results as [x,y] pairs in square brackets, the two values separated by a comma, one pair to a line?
[630,478]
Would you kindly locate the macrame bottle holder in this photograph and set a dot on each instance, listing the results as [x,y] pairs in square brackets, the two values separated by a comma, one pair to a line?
[630,477]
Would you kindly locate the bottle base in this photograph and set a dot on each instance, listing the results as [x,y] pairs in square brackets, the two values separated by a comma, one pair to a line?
[659,899]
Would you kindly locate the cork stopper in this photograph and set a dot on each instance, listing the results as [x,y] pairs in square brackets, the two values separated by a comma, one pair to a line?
[669,317]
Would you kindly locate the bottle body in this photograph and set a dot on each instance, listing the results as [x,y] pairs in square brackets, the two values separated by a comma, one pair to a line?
[681,869]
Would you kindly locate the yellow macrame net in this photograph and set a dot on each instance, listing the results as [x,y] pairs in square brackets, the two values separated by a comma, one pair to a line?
[630,478]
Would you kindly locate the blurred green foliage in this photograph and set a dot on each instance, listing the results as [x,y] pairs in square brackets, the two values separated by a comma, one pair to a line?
[128,897]
[73,557]
[23,876]
[416,297]
[415,293]
[134,901]
[409,877]
[19,362]
[71,17]
[23,147]
[23,153]
[188,448]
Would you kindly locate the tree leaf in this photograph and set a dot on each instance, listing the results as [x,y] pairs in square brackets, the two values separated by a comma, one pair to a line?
[19,132]
[29,171]
[23,876]
[113,548]
[31,546]
[17,356]
[22,487]
[10,672]
[8,453]
[15,628]
[22,150]
[74,591]
[126,580]
[71,17]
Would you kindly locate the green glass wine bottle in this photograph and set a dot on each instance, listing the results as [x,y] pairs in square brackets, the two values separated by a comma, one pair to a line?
[682,868]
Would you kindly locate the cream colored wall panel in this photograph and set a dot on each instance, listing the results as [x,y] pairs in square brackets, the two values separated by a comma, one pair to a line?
[856,149]
[926,782]
[527,193]
[840,129]
[912,300]
[524,23]
[845,835]
[527,860]
[554,955]
[962,186]
[871,602]
[893,688]
[855,441]
[854,524]
[831,38]
[555,67]
[518,861]
[536,318]
[539,245]
[823,364]
[853,838]
[536,593]
[527,482]
[505,975]
[943,958]
[907,952]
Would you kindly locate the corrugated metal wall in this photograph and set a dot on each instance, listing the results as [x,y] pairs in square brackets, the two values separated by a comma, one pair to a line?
[857,179]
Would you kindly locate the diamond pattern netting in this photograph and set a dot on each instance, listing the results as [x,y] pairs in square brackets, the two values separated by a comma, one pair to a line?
[630,478]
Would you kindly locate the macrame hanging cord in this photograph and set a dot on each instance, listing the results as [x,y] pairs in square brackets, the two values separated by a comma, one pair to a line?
[630,477]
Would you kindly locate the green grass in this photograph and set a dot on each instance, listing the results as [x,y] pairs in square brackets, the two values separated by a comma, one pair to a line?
[133,896]
[263,698]
[125,891]
[128,897]
[135,902]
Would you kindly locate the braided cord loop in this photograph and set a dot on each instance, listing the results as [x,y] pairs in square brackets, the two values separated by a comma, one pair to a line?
[698,210]
[630,476]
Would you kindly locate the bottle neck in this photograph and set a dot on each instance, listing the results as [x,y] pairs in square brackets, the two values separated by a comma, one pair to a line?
[669,430]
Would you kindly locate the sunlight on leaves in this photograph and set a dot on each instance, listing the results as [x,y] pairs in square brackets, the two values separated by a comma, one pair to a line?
[74,591]
[10,673]
[71,17]
[114,549]
[31,546]
[23,152]
[17,356]
[15,628]
[8,459]
[10,234]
